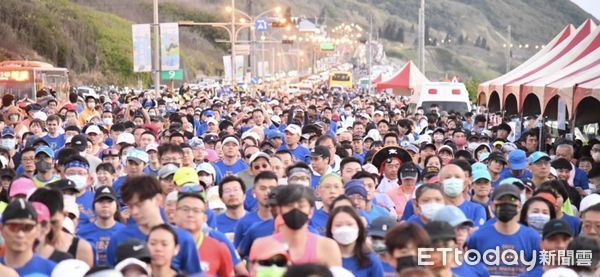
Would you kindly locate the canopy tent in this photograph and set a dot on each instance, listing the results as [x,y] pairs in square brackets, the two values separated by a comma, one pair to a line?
[377,79]
[587,112]
[488,87]
[405,81]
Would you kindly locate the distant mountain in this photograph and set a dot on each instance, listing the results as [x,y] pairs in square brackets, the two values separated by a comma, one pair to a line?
[93,37]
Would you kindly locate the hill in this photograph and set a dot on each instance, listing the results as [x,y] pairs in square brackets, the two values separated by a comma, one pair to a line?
[464,37]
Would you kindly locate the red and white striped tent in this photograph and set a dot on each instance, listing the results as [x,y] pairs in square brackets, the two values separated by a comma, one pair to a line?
[571,58]
[407,80]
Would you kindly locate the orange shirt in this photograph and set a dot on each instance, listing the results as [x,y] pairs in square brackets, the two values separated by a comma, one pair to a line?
[215,258]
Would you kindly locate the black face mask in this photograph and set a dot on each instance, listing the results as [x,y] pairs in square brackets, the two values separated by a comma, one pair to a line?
[43,166]
[506,211]
[295,219]
[406,262]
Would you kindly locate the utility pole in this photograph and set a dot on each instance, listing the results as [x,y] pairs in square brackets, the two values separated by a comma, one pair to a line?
[422,37]
[370,53]
[156,52]
[508,48]
[233,69]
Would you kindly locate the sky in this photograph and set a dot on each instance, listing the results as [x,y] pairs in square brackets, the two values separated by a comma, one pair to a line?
[590,6]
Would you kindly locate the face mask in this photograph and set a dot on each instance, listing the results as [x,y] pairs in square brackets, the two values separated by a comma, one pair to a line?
[7,144]
[438,137]
[300,182]
[14,117]
[537,221]
[345,235]
[481,153]
[151,113]
[430,209]
[347,113]
[79,180]
[270,271]
[505,212]
[592,187]
[107,121]
[206,180]
[91,105]
[406,262]
[378,246]
[472,145]
[43,166]
[295,219]
[453,186]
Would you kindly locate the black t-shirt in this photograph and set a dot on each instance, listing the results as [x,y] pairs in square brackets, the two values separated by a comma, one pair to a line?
[58,256]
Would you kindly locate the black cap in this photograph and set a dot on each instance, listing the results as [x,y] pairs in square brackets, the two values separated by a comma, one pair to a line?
[504,126]
[33,107]
[211,138]
[430,171]
[440,230]
[133,248]
[5,172]
[63,185]
[105,192]
[428,145]
[320,151]
[40,140]
[381,225]
[439,130]
[506,189]
[79,142]
[556,226]
[19,209]
[497,156]
[459,130]
[408,171]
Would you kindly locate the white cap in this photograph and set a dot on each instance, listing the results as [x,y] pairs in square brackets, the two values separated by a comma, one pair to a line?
[231,139]
[378,112]
[373,134]
[370,168]
[258,155]
[40,115]
[213,199]
[213,121]
[250,134]
[206,167]
[172,196]
[69,225]
[131,261]
[70,267]
[71,205]
[589,201]
[340,130]
[276,119]
[294,129]
[93,129]
[126,138]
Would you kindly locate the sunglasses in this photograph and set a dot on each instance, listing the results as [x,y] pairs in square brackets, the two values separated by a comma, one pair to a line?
[258,166]
[17,227]
[275,261]
[192,189]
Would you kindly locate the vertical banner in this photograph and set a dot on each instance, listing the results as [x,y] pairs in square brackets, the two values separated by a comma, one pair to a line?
[169,46]
[239,68]
[562,114]
[227,67]
[142,49]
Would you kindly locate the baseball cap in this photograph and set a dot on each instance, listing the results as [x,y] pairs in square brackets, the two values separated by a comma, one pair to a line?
[274,135]
[446,148]
[105,192]
[258,155]
[497,156]
[440,230]
[320,151]
[430,171]
[212,120]
[517,160]
[70,267]
[46,150]
[452,215]
[131,262]
[536,156]
[8,132]
[126,138]
[513,181]
[186,175]
[506,189]
[481,174]
[21,186]
[209,113]
[409,171]
[267,249]
[211,138]
[19,209]
[137,155]
[42,211]
[167,170]
[133,248]
[64,185]
[380,226]
[556,226]
[206,167]
[294,129]
[79,142]
[93,129]
[231,139]
[355,186]
[151,147]
[589,201]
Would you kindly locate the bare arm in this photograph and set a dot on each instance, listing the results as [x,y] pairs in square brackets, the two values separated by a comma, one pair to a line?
[329,252]
[85,252]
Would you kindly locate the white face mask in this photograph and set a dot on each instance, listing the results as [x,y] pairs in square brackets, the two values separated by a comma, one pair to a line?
[345,235]
[79,180]
[107,121]
[430,209]
[7,144]
[208,180]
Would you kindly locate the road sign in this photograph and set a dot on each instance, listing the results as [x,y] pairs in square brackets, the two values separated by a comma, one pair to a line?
[327,46]
[242,49]
[171,75]
[261,25]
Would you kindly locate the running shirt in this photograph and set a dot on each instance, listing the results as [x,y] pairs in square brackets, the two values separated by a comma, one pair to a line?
[37,265]
[233,169]
[373,269]
[99,238]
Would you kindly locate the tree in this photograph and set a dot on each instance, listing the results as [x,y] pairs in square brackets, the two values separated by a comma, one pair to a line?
[399,35]
[472,86]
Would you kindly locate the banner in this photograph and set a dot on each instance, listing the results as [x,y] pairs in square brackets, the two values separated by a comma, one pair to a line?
[227,67]
[239,68]
[142,49]
[169,46]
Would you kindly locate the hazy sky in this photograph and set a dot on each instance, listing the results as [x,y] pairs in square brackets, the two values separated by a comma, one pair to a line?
[590,6]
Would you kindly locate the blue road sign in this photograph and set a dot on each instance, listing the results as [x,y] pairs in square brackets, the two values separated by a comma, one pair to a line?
[261,25]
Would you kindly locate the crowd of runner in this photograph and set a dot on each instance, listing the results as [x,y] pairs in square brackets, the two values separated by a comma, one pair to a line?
[228,183]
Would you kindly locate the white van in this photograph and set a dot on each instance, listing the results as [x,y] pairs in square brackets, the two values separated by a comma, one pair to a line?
[450,96]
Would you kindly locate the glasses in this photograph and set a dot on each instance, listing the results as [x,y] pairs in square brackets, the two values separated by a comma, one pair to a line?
[187,210]
[231,191]
[17,227]
[275,261]
[192,189]
[587,226]
[263,166]
[27,159]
